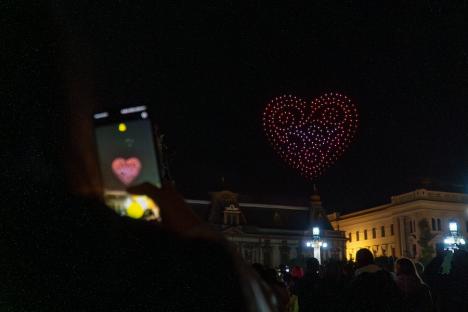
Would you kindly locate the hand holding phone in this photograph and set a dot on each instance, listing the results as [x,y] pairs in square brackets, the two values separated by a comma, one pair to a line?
[128,156]
[177,216]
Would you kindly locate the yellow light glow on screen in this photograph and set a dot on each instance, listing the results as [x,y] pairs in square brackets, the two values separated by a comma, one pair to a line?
[122,127]
[142,206]
[135,210]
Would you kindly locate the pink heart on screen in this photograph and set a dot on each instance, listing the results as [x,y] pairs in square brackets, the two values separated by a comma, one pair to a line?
[126,169]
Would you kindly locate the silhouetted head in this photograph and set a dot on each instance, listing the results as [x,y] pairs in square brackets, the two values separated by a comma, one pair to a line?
[348,269]
[405,266]
[312,265]
[364,257]
[270,276]
[333,270]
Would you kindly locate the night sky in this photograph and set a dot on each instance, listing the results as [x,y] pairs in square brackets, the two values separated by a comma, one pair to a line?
[207,70]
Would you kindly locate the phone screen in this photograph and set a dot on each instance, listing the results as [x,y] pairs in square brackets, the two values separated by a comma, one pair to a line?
[126,149]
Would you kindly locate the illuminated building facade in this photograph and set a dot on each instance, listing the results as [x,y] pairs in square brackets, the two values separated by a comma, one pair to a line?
[412,225]
[271,234]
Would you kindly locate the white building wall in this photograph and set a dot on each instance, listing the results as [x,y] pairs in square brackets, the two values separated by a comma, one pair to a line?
[404,210]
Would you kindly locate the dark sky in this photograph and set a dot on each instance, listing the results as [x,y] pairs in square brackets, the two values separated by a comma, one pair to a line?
[207,69]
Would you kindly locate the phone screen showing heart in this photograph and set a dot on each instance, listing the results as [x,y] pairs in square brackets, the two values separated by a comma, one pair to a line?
[127,154]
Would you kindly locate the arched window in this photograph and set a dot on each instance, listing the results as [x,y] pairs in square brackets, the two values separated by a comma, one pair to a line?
[357,236]
[374,233]
[350,236]
[439,225]
[433,224]
[365,234]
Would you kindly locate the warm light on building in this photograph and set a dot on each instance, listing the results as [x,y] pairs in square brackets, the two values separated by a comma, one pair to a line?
[395,229]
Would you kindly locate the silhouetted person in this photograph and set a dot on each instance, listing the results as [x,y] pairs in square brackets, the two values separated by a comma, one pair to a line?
[416,294]
[62,248]
[332,287]
[372,288]
[456,286]
[386,263]
[307,287]
[278,287]
[348,272]
[436,280]
[297,272]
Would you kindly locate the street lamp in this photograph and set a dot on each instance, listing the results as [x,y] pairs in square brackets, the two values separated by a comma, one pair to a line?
[316,243]
[454,240]
[453,227]
[316,231]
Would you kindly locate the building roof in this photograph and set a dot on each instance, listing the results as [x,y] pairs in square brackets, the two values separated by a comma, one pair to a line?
[262,215]
[267,216]
[420,194]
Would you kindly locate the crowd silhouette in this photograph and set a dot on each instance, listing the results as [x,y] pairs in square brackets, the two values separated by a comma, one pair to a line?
[369,284]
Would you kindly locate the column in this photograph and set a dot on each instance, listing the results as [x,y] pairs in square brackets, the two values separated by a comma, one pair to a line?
[317,254]
[403,248]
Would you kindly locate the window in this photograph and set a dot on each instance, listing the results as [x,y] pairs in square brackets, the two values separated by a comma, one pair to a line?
[411,226]
[382,231]
[391,230]
[374,233]
[357,236]
[439,226]
[365,234]
[384,250]
[350,237]
[393,252]
[433,224]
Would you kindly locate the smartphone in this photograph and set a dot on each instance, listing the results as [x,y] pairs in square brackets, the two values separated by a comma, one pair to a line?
[128,155]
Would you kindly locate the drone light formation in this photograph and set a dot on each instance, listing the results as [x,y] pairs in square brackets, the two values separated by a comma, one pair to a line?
[310,136]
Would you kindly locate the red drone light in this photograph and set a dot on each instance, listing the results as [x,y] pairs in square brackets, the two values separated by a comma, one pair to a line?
[310,136]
